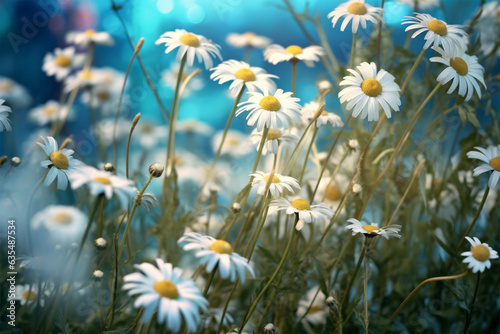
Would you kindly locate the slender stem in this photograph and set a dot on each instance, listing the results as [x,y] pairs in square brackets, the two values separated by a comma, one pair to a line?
[353,49]
[353,276]
[412,70]
[294,75]
[221,323]
[469,316]
[336,170]
[101,217]
[259,152]
[264,211]
[134,123]
[365,287]
[87,229]
[379,40]
[433,279]
[210,279]
[315,132]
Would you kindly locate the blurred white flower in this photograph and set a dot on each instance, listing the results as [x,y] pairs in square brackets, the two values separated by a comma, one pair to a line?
[169,79]
[28,294]
[309,111]
[312,307]
[46,113]
[488,25]
[372,230]
[65,223]
[247,39]
[479,256]
[84,38]
[279,183]
[16,95]
[193,126]
[62,62]
[276,54]
[306,212]
[422,4]
[273,140]
[356,11]
[236,143]
[491,157]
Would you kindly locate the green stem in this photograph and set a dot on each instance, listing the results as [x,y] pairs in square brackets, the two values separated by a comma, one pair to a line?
[469,316]
[365,286]
[87,229]
[315,131]
[353,48]
[353,276]
[412,70]
[344,156]
[259,152]
[210,279]
[294,75]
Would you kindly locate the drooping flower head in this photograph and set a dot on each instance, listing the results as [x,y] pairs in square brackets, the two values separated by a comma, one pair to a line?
[277,185]
[366,90]
[491,157]
[371,230]
[191,45]
[84,38]
[306,212]
[293,53]
[479,256]
[356,11]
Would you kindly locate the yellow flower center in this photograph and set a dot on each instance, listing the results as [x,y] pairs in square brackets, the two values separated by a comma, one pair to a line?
[6,85]
[371,87]
[357,8]
[90,32]
[333,193]
[270,103]
[495,163]
[314,309]
[301,204]
[274,180]
[166,289]
[86,75]
[273,134]
[459,65]
[103,95]
[245,74]
[49,111]
[438,27]
[324,113]
[27,295]
[59,160]
[249,35]
[190,40]
[294,50]
[233,141]
[62,218]
[221,247]
[480,252]
[62,61]
[101,179]
[370,228]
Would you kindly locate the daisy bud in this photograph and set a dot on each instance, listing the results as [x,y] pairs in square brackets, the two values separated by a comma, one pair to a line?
[97,275]
[332,303]
[270,329]
[324,85]
[156,169]
[356,188]
[108,167]
[213,190]
[236,207]
[353,144]
[3,160]
[135,121]
[15,161]
[100,243]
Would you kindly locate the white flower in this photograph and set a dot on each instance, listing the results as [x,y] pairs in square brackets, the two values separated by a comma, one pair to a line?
[150,134]
[65,223]
[242,74]
[105,130]
[422,4]
[491,157]
[451,37]
[488,25]
[372,230]
[478,258]
[314,304]
[276,54]
[84,38]
[273,140]
[61,163]
[189,126]
[236,143]
[357,11]
[106,89]
[28,293]
[16,95]
[278,183]
[190,45]
[62,62]
[356,188]
[163,290]
[333,191]
[273,111]
[46,113]
[368,90]
[211,252]
[247,39]
[309,111]
[102,182]
[4,117]
[306,212]
[464,70]
[169,79]
[82,79]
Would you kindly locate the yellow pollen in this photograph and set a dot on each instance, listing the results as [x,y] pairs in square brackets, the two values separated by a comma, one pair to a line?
[103,95]
[86,75]
[333,193]
[103,180]
[221,247]
[459,65]
[62,218]
[27,295]
[59,160]
[480,252]
[270,103]
[249,35]
[301,204]
[495,163]
[357,8]
[314,309]
[438,27]
[190,40]
[371,87]
[6,85]
[49,111]
[275,179]
[273,134]
[370,228]
[294,50]
[166,289]
[90,32]
[62,61]
[245,74]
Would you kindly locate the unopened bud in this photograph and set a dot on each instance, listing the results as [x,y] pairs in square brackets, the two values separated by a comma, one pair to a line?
[332,303]
[353,144]
[156,169]
[15,161]
[324,85]
[108,167]
[100,243]
[236,207]
[97,275]
[356,188]
[270,329]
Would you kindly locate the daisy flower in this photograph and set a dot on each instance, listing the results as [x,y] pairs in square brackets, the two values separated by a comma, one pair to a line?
[46,113]
[236,143]
[422,4]
[451,37]
[107,84]
[84,38]
[309,111]
[102,182]
[372,230]
[464,70]
[169,79]
[61,163]
[333,191]
[190,45]
[62,62]
[65,223]
[278,183]
[242,74]
[190,126]
[82,79]
[356,11]
[25,296]
[314,304]
[150,134]
[247,39]
[366,90]
[4,117]
[273,140]
[16,95]
[306,212]
[478,258]
[273,111]
[276,54]
[491,157]
[164,290]
[211,252]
